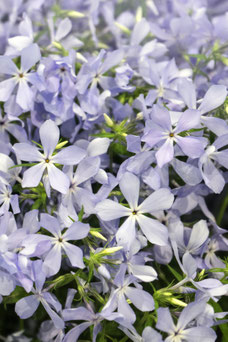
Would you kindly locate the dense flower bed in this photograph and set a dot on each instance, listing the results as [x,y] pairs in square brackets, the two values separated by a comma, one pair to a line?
[113,170]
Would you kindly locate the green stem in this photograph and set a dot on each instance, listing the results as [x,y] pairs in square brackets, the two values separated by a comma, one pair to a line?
[222,210]
[182,282]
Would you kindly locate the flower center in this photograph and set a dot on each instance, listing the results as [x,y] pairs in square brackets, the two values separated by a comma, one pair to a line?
[171,135]
[21,75]
[47,160]
[134,212]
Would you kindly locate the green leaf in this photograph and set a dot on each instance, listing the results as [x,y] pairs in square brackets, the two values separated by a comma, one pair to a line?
[20,165]
[37,144]
[223,59]
[199,56]
[16,295]
[104,135]
[71,218]
[222,327]
[177,275]
[80,214]
[91,269]
[37,204]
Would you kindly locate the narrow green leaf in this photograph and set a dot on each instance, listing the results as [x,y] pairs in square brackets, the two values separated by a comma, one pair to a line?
[21,165]
[177,275]
[80,214]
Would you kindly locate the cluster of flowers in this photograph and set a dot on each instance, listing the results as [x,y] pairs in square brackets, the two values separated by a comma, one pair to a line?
[113,132]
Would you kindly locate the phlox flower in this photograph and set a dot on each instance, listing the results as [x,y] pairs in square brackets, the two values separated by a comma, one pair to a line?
[26,306]
[56,244]
[183,331]
[160,130]
[154,231]
[141,299]
[21,77]
[49,136]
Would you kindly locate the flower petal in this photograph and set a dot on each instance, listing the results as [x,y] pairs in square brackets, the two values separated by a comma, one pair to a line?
[191,311]
[125,309]
[143,272]
[6,88]
[7,284]
[129,185]
[161,116]
[30,56]
[141,299]
[76,231]
[27,152]
[58,179]
[74,254]
[165,322]
[160,199]
[50,223]
[74,333]
[49,136]
[7,66]
[63,29]
[186,89]
[86,169]
[188,172]
[24,96]
[212,177]
[126,233]
[52,261]
[191,146]
[26,306]
[33,175]
[189,119]
[111,59]
[70,155]
[110,210]
[165,153]
[140,31]
[154,231]
[58,322]
[198,236]
[200,334]
[214,97]
[98,146]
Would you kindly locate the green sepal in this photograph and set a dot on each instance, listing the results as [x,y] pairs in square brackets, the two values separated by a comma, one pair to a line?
[62,280]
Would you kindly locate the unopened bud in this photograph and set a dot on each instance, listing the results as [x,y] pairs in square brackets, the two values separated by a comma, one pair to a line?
[177,302]
[97,235]
[108,120]
[123,28]
[75,14]
[60,145]
[111,250]
[139,14]
[57,45]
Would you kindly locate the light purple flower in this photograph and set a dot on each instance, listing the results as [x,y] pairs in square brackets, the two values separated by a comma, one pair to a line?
[154,231]
[26,306]
[56,244]
[160,130]
[21,77]
[213,156]
[141,299]
[183,330]
[49,136]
